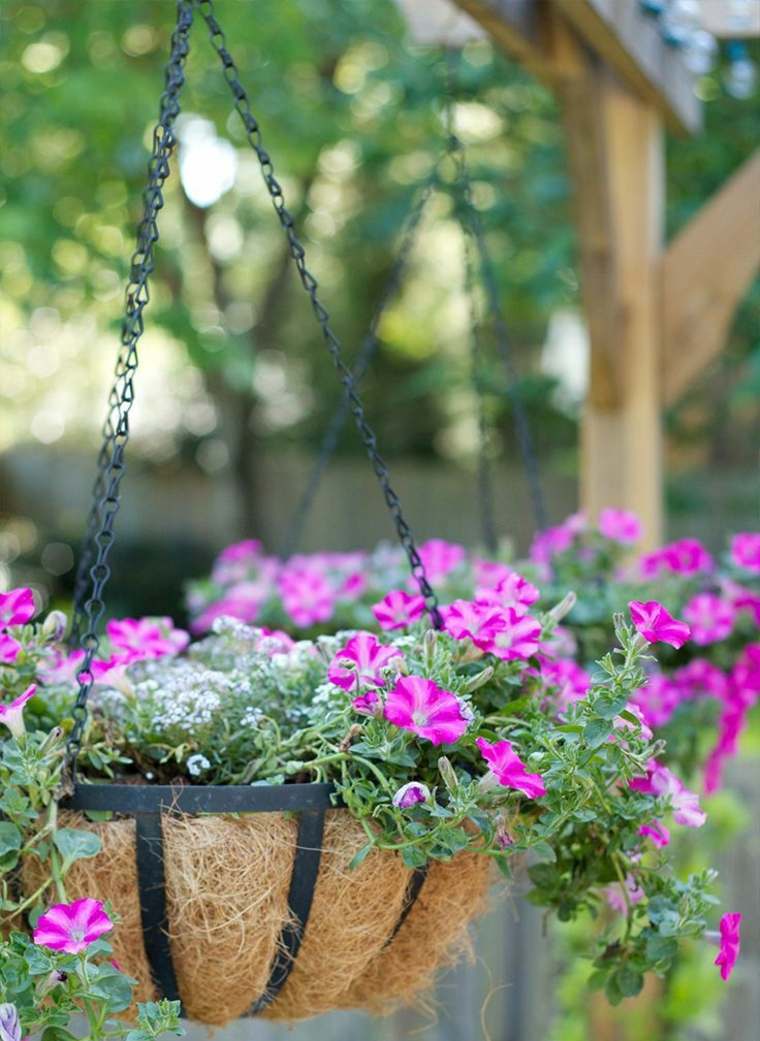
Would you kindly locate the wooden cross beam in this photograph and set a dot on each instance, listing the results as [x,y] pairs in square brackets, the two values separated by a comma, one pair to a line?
[655,317]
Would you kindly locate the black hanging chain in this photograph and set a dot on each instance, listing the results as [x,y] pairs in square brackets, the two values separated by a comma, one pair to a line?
[309,283]
[364,358]
[94,570]
[472,225]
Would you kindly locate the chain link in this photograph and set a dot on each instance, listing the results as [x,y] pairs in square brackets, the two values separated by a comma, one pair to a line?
[94,569]
[310,285]
[363,360]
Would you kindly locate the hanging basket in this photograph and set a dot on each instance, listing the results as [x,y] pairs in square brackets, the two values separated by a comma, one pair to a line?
[242,901]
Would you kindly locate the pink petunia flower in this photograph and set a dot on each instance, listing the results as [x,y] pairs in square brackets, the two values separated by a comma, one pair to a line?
[307,596]
[661,781]
[745,551]
[72,927]
[700,678]
[571,683]
[410,795]
[468,620]
[440,558]
[146,638]
[657,832]
[508,590]
[620,525]
[242,602]
[730,943]
[658,699]
[398,610]
[361,662]
[621,723]
[685,557]
[12,715]
[273,641]
[9,649]
[656,624]
[247,550]
[552,541]
[710,617]
[518,640]
[417,704]
[17,606]
[508,769]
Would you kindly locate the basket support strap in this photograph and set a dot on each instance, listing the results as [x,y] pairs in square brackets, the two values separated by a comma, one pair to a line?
[413,888]
[151,881]
[303,879]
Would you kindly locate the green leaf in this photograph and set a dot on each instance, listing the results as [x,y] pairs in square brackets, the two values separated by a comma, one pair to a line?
[360,856]
[596,732]
[629,981]
[661,948]
[76,845]
[11,841]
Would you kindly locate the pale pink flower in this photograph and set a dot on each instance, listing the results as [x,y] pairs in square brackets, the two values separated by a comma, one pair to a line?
[710,617]
[417,704]
[353,586]
[242,602]
[730,943]
[620,525]
[745,551]
[508,769]
[440,558]
[10,1027]
[274,641]
[662,782]
[12,715]
[146,638]
[17,606]
[72,927]
[616,898]
[361,663]
[561,643]
[469,620]
[656,831]
[398,610]
[112,671]
[9,649]
[247,550]
[60,667]
[518,640]
[549,543]
[621,723]
[741,598]
[410,795]
[656,624]
[488,573]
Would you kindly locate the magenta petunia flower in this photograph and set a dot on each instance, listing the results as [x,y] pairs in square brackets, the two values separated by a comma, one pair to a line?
[745,551]
[60,667]
[685,557]
[112,671]
[700,678]
[508,769]
[518,640]
[656,624]
[72,927]
[398,610]
[146,638]
[12,715]
[620,525]
[730,943]
[495,583]
[410,795]
[361,662]
[468,620]
[367,704]
[307,596]
[661,781]
[242,602]
[417,704]
[657,832]
[9,649]
[247,550]
[658,699]
[440,558]
[620,723]
[552,541]
[17,606]
[710,617]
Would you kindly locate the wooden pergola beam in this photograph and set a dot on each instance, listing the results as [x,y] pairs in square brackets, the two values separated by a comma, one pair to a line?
[616,31]
[705,271]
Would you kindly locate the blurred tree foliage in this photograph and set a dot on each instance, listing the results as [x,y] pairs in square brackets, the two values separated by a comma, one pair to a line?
[351,115]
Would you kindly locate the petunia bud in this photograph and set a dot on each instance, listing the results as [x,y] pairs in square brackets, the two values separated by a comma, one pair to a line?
[10,1028]
[478,680]
[51,980]
[564,607]
[448,774]
[54,626]
[428,646]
